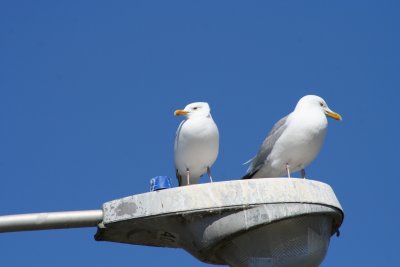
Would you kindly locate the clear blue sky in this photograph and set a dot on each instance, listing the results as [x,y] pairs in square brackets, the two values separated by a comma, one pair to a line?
[88,90]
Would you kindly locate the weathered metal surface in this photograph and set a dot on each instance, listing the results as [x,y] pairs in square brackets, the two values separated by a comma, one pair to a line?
[50,220]
[202,218]
[268,222]
[228,194]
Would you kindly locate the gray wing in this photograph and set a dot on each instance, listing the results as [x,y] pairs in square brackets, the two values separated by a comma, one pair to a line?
[258,161]
[178,175]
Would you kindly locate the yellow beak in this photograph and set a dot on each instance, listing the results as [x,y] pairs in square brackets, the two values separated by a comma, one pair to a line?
[180,112]
[334,115]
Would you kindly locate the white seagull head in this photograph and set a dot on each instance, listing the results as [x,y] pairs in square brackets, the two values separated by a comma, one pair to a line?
[197,109]
[316,102]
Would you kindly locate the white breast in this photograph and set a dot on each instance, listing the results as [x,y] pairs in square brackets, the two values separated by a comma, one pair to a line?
[299,144]
[196,146]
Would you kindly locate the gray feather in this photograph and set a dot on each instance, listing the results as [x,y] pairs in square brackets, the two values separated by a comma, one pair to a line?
[258,161]
[178,175]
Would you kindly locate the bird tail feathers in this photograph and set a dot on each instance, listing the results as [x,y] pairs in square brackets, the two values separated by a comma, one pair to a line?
[249,161]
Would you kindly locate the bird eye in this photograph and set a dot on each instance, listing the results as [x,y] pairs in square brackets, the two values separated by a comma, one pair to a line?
[321,104]
[195,108]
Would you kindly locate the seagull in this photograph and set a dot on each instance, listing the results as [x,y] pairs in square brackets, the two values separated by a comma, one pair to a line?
[294,141]
[196,143]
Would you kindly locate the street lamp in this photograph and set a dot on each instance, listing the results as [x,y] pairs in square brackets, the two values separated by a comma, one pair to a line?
[256,222]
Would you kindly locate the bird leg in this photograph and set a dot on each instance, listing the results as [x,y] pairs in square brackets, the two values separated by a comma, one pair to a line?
[187,176]
[288,170]
[303,173]
[209,174]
